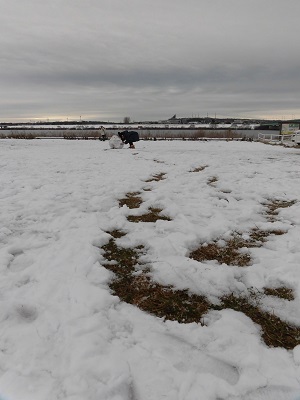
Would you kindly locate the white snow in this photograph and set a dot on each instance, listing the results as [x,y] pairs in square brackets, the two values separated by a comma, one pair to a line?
[63,335]
[115,142]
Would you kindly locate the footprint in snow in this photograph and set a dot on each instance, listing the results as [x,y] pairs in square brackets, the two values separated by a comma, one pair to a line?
[26,313]
[19,260]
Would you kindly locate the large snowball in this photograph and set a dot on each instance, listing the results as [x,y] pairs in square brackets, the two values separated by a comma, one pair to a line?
[115,142]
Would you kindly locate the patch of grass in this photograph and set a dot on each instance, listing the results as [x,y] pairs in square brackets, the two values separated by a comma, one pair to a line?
[116,233]
[157,177]
[273,206]
[211,181]
[275,332]
[123,259]
[162,301]
[132,200]
[138,289]
[281,292]
[152,216]
[229,253]
[260,236]
[199,169]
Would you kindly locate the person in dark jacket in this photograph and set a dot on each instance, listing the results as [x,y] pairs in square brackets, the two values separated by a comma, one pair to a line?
[129,137]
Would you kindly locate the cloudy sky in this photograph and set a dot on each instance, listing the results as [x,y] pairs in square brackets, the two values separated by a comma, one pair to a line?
[149,59]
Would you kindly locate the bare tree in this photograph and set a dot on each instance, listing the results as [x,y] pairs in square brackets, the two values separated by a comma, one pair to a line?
[126,120]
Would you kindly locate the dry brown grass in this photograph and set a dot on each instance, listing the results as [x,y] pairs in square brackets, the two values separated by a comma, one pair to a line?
[230,253]
[162,301]
[116,233]
[275,332]
[258,235]
[273,206]
[125,258]
[280,292]
[131,200]
[199,169]
[211,181]
[153,215]
[157,177]
[133,285]
[138,289]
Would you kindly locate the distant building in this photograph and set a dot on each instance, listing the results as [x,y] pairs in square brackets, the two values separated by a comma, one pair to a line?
[287,129]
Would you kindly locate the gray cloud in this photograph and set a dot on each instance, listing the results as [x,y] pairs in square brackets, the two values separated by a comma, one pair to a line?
[109,58]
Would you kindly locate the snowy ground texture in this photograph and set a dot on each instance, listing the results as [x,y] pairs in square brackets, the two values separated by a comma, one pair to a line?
[64,335]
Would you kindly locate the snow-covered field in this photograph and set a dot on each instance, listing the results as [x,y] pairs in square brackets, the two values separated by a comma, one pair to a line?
[64,335]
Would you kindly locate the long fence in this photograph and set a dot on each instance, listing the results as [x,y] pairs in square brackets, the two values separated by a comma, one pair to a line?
[272,138]
[167,133]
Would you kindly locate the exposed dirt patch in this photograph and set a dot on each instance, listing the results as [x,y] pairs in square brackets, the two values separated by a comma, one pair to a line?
[157,177]
[153,215]
[131,200]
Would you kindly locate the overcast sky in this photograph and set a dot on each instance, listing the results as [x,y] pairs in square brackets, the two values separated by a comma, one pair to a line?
[149,59]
